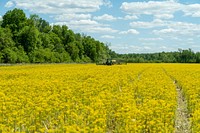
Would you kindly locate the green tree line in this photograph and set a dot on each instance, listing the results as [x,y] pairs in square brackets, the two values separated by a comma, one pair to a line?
[180,56]
[34,40]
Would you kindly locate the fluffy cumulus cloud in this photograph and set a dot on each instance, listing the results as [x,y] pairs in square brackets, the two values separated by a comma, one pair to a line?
[163,12]
[73,16]
[108,37]
[151,7]
[89,26]
[105,17]
[171,28]
[179,28]
[130,17]
[166,31]
[9,4]
[76,14]
[59,6]
[100,30]
[152,24]
[151,39]
[130,31]
[192,10]
[108,3]
[164,16]
[126,48]
[161,9]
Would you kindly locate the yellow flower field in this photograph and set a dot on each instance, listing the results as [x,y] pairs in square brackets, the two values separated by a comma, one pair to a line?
[138,98]
[188,77]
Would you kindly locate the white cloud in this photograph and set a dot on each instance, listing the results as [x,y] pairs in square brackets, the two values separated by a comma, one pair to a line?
[164,16]
[85,22]
[163,47]
[69,17]
[154,23]
[190,39]
[130,31]
[1,18]
[105,17]
[100,30]
[147,47]
[165,31]
[108,37]
[79,23]
[151,39]
[130,17]
[59,6]
[151,7]
[171,28]
[89,26]
[126,48]
[195,46]
[123,48]
[175,38]
[179,28]
[76,14]
[196,14]
[161,9]
[192,10]
[108,3]
[9,4]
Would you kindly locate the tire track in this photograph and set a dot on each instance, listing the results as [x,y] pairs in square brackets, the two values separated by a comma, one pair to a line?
[182,123]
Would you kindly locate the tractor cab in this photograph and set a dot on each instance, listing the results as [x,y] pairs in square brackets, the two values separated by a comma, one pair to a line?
[109,62]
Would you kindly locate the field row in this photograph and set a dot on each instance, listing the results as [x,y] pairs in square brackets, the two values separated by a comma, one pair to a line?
[188,78]
[90,98]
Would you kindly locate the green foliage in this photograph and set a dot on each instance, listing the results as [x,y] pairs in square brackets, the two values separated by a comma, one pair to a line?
[41,55]
[21,55]
[15,20]
[39,23]
[9,56]
[182,56]
[1,22]
[198,57]
[6,38]
[187,56]
[24,40]
[28,37]
[62,57]
[73,50]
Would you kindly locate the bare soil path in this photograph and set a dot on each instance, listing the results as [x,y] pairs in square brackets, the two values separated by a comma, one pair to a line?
[182,123]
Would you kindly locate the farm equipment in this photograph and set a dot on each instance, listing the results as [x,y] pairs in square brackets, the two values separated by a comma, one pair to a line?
[112,62]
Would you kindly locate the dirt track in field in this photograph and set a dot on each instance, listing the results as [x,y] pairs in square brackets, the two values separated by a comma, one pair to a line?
[182,123]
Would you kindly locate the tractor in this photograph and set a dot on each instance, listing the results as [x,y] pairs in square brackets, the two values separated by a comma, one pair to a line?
[110,62]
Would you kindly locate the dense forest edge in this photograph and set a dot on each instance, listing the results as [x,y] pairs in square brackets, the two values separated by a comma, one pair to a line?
[34,40]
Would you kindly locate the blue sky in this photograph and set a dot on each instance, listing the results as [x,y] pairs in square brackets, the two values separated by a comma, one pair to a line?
[128,26]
